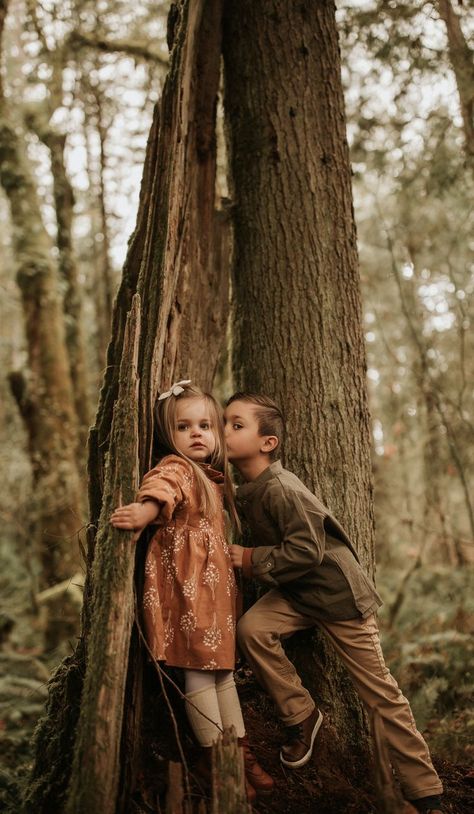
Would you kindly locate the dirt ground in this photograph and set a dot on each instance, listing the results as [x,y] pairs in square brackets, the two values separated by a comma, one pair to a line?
[322,787]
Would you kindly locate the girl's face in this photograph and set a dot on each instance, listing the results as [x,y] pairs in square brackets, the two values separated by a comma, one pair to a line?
[193,435]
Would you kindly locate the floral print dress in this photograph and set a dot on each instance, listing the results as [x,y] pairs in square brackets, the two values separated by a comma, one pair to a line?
[189,594]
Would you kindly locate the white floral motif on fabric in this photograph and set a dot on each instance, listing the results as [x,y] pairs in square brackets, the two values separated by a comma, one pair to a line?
[169,566]
[211,578]
[150,568]
[187,624]
[190,586]
[185,475]
[230,623]
[169,631]
[151,600]
[230,587]
[213,635]
[211,665]
[209,535]
[178,541]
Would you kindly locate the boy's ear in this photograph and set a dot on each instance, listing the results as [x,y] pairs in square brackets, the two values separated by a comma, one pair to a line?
[269,444]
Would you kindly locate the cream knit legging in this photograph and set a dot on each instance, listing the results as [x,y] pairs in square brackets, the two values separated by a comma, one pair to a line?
[212,704]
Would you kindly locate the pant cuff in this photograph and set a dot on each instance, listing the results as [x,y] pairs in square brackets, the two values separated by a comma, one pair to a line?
[428,791]
[296,718]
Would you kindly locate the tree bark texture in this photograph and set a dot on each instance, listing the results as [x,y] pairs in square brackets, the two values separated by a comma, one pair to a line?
[44,392]
[38,120]
[297,300]
[96,766]
[462,62]
[167,267]
[170,258]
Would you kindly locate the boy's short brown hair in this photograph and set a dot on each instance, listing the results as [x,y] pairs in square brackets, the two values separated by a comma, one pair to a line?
[269,417]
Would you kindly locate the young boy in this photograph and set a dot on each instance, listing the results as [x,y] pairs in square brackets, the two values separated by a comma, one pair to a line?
[307,560]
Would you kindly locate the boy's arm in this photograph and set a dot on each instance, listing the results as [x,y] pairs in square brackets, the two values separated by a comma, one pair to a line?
[302,541]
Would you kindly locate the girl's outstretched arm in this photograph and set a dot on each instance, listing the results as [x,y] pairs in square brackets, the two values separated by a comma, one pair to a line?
[135,516]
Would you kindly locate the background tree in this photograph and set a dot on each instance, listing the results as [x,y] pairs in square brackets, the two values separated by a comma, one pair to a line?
[45,58]
[44,392]
[414,211]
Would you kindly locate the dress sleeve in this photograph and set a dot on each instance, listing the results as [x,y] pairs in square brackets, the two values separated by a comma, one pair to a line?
[168,484]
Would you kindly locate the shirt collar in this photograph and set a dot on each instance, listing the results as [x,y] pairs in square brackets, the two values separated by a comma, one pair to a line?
[213,474]
[248,488]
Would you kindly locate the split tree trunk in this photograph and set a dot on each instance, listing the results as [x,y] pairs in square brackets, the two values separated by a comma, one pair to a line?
[297,300]
[96,768]
[167,267]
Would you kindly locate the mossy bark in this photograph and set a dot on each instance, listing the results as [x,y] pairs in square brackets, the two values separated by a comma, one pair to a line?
[297,300]
[168,265]
[96,766]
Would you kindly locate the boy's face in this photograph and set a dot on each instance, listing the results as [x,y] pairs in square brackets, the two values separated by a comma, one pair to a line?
[243,439]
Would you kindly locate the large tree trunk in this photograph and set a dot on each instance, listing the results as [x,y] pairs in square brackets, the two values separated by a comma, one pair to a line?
[167,266]
[297,300]
[44,392]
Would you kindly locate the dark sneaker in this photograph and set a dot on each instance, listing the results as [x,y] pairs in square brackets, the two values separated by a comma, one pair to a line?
[428,805]
[298,747]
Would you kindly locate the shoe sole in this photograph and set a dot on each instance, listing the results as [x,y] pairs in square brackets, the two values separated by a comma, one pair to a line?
[296,764]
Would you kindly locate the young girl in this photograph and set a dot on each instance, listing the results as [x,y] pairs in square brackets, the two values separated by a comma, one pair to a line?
[190,591]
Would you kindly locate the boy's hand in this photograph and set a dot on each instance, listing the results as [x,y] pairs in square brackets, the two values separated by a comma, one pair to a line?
[135,516]
[236,554]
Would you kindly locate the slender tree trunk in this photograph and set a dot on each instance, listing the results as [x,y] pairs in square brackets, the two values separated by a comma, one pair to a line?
[106,281]
[72,302]
[432,397]
[38,118]
[102,283]
[44,392]
[462,62]
[297,301]
[167,263]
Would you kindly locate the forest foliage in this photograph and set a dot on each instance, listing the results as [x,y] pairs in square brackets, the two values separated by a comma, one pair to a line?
[79,84]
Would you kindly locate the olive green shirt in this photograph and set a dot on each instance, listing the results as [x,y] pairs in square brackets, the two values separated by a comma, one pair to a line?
[301,549]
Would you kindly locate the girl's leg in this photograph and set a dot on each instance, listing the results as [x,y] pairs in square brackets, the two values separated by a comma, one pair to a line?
[231,715]
[228,700]
[203,711]
[202,707]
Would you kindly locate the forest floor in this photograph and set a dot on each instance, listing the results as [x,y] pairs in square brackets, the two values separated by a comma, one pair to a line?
[321,787]
[440,665]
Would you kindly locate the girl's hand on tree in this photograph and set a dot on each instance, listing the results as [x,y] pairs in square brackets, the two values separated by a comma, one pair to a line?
[236,554]
[135,516]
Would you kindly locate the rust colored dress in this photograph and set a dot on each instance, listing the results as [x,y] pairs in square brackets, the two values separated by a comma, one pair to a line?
[189,594]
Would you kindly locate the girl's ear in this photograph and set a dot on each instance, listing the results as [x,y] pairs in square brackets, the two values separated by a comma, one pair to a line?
[270,443]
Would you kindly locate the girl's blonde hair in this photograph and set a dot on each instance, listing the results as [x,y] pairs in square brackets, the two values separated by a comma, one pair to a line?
[164,429]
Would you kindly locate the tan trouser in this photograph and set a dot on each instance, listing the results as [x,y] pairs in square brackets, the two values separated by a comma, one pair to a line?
[357,641]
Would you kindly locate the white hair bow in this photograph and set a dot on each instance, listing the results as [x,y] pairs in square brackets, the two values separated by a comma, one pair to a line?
[175,389]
